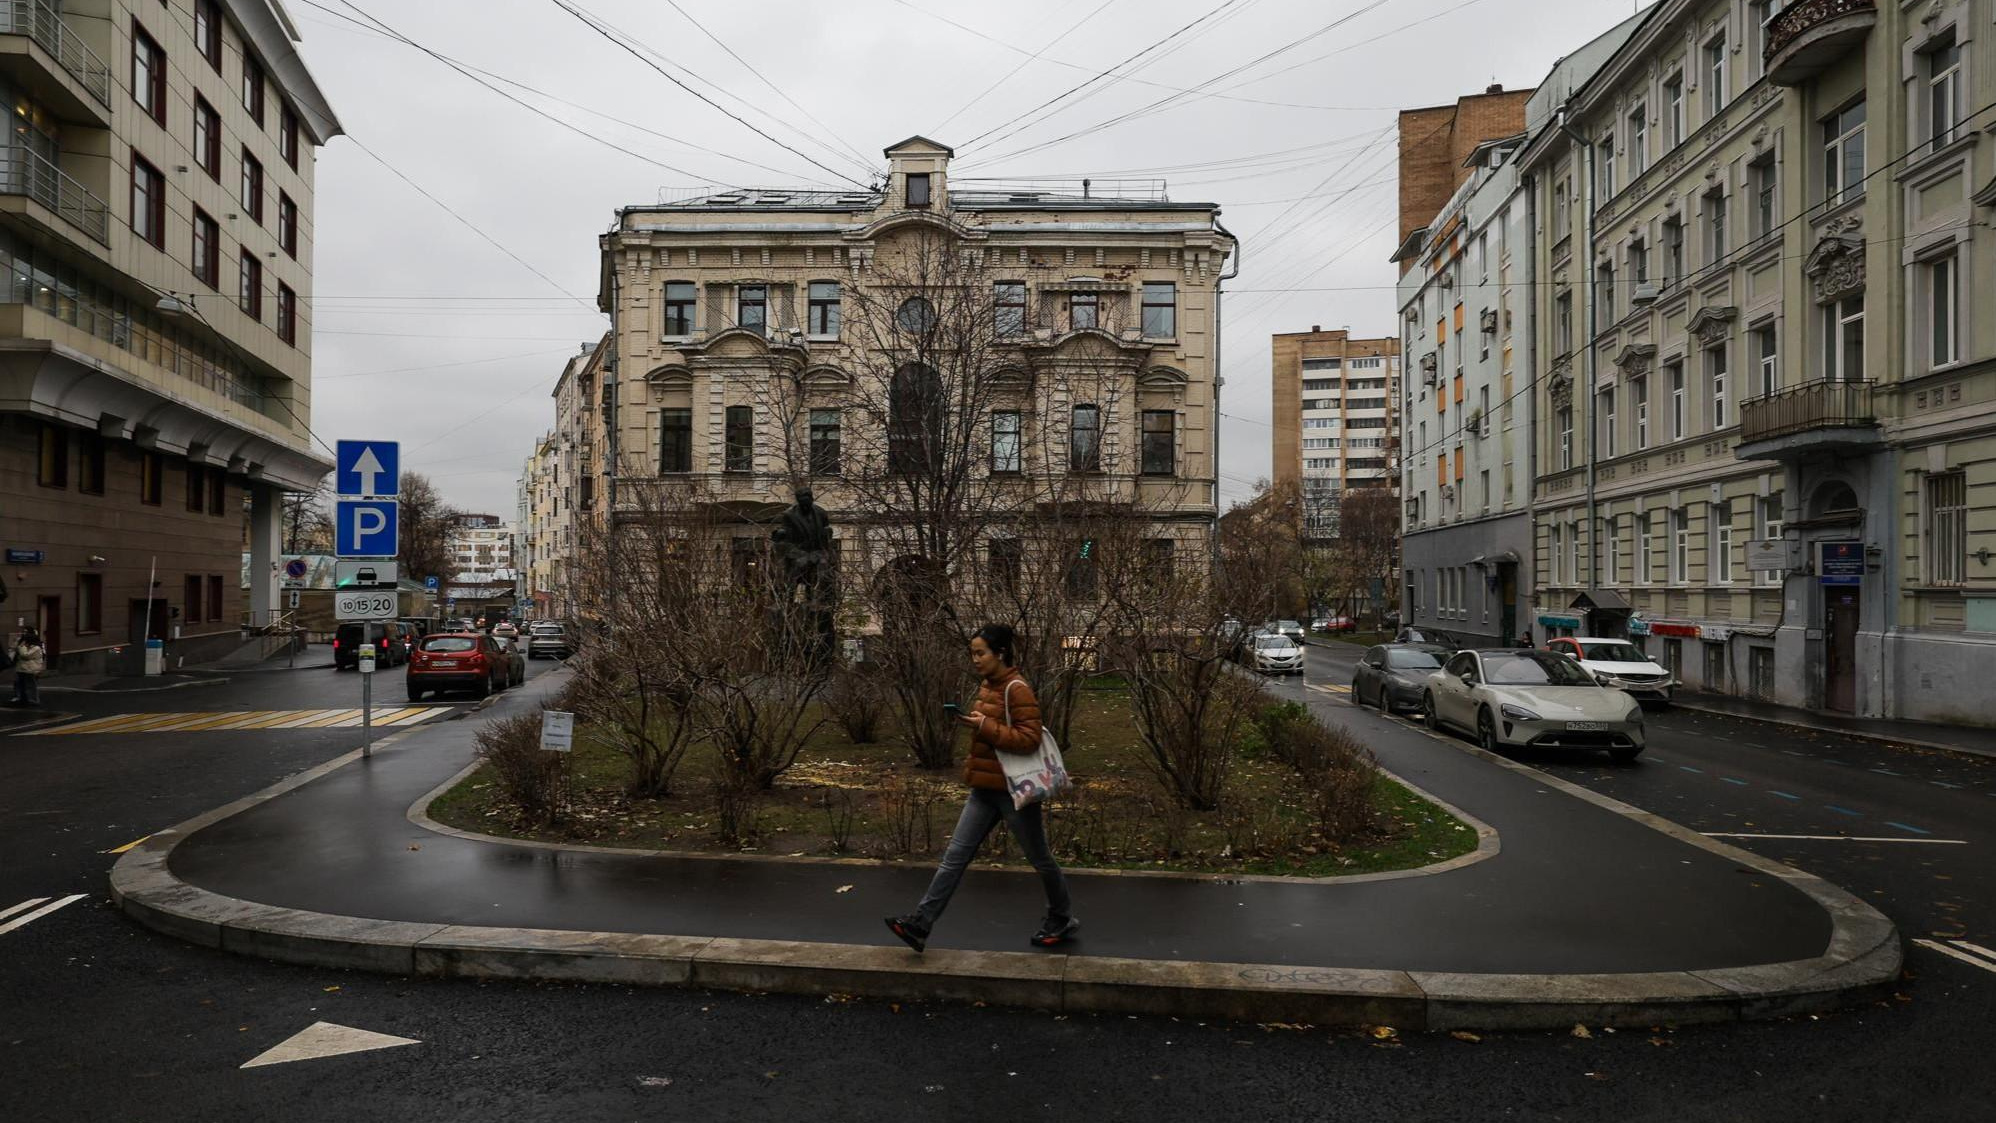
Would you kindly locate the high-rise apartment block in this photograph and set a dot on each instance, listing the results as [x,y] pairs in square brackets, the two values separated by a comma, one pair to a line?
[1337,419]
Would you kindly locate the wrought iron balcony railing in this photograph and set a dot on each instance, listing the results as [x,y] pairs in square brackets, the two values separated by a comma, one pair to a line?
[1810,407]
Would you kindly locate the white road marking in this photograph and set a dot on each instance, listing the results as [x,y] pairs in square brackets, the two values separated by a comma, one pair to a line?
[1935,945]
[324,1039]
[30,918]
[1977,949]
[31,902]
[1836,838]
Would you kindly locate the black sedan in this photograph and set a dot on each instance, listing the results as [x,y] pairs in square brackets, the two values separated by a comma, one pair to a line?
[1393,675]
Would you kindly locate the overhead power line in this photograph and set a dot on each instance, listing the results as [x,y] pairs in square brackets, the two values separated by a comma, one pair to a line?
[1023,63]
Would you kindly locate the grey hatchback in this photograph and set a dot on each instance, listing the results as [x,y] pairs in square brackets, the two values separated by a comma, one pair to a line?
[1392,676]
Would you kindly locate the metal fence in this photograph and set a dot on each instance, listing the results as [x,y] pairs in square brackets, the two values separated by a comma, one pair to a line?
[41,22]
[26,172]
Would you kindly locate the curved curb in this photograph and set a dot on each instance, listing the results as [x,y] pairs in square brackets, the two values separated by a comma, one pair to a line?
[1862,959]
[220,680]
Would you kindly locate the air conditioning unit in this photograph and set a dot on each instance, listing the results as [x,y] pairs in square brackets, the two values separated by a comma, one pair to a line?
[1644,294]
[1489,320]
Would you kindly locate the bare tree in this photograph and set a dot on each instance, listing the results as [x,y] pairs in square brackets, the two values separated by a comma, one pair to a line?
[1368,546]
[426,522]
[308,524]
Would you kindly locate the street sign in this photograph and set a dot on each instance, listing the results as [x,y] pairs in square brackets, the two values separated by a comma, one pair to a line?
[364,604]
[292,600]
[370,468]
[1767,554]
[25,557]
[557,731]
[295,569]
[430,582]
[366,528]
[367,658]
[1842,563]
[351,573]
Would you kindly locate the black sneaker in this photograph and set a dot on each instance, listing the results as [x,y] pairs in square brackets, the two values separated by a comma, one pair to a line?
[910,930]
[1055,930]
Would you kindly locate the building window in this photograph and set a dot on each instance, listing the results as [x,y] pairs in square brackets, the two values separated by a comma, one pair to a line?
[287,225]
[1160,451]
[287,135]
[206,255]
[1555,551]
[918,189]
[916,316]
[214,596]
[253,89]
[1007,556]
[1566,438]
[287,315]
[1160,561]
[1843,339]
[1758,13]
[1720,565]
[1944,93]
[208,31]
[197,487]
[1006,454]
[1673,250]
[1715,227]
[1082,579]
[89,603]
[1645,549]
[1715,75]
[1943,297]
[1638,267]
[1562,216]
[148,202]
[1614,525]
[208,138]
[915,421]
[1563,321]
[1008,308]
[1770,530]
[190,597]
[1946,547]
[825,442]
[1639,400]
[1638,141]
[1604,293]
[1843,155]
[752,308]
[824,310]
[675,441]
[89,462]
[148,74]
[679,299]
[252,186]
[1160,310]
[1767,359]
[1607,408]
[1673,111]
[1604,168]
[1084,439]
[152,474]
[1677,418]
[1715,373]
[53,469]
[1680,545]
[249,285]
[1083,310]
[1762,177]
[740,440]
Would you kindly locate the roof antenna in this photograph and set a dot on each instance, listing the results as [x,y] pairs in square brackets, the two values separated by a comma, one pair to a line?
[1084,189]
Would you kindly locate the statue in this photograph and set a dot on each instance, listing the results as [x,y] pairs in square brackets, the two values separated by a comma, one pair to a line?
[802,545]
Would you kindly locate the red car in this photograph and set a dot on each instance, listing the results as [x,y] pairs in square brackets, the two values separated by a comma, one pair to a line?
[457,661]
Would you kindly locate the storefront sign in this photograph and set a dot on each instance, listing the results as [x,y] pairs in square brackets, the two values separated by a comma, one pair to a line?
[1841,563]
[1674,631]
[1638,626]
[25,557]
[1549,621]
[1716,633]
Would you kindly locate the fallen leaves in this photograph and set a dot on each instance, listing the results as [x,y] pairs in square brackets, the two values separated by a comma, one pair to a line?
[1384,1033]
[1465,1035]
[654,1081]
[843,889]
[1582,1032]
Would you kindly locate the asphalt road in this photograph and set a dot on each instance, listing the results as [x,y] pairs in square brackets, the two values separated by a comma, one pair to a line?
[102,1019]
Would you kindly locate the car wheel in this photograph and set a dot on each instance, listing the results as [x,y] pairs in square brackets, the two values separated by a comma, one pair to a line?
[1357,694]
[483,688]
[1624,756]
[415,694]
[1434,719]
[1486,733]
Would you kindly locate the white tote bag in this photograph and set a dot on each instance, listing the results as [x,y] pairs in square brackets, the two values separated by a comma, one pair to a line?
[1035,775]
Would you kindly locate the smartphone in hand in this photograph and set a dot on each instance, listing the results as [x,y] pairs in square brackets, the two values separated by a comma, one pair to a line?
[953,709]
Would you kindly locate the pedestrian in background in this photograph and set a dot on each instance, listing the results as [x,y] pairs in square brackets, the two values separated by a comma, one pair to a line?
[1524,639]
[1006,718]
[30,660]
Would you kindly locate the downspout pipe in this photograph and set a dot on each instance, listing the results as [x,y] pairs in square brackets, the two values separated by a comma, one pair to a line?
[1233,271]
[1593,329]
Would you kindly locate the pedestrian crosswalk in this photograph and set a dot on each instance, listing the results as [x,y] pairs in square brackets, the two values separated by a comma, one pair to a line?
[24,913]
[1336,689]
[218,720]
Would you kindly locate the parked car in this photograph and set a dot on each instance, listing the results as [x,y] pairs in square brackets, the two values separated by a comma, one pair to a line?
[1289,628]
[549,641]
[506,629]
[1337,624]
[1509,697]
[1275,654]
[1393,676]
[457,661]
[391,640]
[1620,664]
[516,659]
[418,627]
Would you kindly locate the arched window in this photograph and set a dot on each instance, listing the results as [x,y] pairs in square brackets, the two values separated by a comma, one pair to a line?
[916,316]
[1833,498]
[915,420]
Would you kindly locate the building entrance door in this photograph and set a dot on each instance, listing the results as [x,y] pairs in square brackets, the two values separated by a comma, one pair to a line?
[1840,649]
[1507,583]
[48,621]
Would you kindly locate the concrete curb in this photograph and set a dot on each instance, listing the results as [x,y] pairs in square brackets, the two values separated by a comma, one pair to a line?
[54,718]
[1826,727]
[1861,961]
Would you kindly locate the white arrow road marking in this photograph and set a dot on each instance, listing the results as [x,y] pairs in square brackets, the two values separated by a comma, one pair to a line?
[30,918]
[1973,961]
[324,1039]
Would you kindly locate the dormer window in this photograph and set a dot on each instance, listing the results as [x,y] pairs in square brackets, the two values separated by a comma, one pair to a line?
[918,189]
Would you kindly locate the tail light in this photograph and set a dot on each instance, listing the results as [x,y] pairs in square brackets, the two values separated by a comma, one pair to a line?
[336,645]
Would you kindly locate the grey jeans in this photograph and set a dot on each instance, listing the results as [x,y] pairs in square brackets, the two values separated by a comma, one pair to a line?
[27,688]
[981,812]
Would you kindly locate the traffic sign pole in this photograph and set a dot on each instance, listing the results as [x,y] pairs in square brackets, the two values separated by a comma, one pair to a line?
[366,699]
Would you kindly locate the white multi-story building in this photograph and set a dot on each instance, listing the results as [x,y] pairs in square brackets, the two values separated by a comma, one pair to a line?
[481,550]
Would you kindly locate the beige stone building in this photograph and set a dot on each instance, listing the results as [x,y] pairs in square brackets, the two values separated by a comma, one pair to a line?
[1337,419]
[561,484]
[1039,339]
[1769,448]
[156,231]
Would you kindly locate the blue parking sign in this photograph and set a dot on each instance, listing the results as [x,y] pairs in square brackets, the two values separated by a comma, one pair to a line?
[365,528]
[367,468]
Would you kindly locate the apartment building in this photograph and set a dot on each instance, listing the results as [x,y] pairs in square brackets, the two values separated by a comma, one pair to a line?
[1769,445]
[481,549]
[563,482]
[1064,336]
[156,234]
[1337,419]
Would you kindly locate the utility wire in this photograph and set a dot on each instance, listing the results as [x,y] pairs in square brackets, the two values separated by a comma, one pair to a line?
[1027,61]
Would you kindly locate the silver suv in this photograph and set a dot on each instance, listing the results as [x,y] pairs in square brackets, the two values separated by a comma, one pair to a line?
[549,641]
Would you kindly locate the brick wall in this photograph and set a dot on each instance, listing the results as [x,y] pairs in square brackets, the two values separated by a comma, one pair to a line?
[1435,141]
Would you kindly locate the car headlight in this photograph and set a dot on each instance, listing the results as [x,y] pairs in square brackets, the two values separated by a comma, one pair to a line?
[1634,716]
[1517,713]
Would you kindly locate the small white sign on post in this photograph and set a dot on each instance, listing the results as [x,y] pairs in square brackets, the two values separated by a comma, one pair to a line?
[557,731]
[364,604]
[366,658]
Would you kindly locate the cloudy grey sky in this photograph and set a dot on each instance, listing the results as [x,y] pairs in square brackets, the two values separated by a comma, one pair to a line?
[427,332]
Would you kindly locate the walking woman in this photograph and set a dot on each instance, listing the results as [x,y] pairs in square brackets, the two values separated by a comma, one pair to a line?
[30,660]
[1003,692]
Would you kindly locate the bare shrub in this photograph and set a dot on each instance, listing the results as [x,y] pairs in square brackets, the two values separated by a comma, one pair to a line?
[857,696]
[639,703]
[841,815]
[1336,768]
[909,808]
[737,810]
[535,783]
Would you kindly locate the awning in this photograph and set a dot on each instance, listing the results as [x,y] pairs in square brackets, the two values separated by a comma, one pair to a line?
[1503,557]
[1607,600]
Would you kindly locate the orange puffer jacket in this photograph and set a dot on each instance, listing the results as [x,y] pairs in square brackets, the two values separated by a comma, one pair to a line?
[982,770]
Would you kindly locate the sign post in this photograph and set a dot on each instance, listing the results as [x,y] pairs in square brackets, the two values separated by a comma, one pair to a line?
[367,528]
[557,731]
[366,699]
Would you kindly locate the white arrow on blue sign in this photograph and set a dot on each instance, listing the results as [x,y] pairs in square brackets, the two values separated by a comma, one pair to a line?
[368,468]
[365,528]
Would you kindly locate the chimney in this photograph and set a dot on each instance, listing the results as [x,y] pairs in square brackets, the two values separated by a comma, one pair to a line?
[1494,88]
[1315,328]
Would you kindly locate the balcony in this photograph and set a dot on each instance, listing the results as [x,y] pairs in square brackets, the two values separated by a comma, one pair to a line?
[1804,38]
[1808,420]
[32,35]
[35,177]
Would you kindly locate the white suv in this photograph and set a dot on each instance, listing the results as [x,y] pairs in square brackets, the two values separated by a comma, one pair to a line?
[1620,664]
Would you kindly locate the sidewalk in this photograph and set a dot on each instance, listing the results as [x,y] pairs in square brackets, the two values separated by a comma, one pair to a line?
[1580,909]
[1920,734]
[128,684]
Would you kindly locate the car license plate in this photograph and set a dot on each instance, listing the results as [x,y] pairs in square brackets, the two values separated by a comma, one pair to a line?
[445,663]
[1586,726]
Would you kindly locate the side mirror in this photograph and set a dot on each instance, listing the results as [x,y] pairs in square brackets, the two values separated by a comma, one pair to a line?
[1468,679]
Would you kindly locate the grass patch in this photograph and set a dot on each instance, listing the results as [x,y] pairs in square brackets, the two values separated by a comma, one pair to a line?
[871,800]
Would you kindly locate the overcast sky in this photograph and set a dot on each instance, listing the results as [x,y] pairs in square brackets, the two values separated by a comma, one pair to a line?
[427,332]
